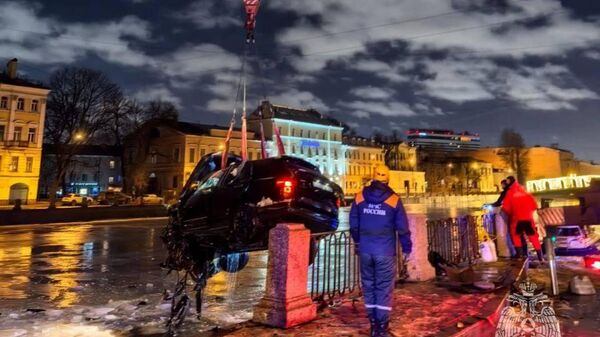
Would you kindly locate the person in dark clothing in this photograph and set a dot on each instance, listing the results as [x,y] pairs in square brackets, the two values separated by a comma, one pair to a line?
[505,187]
[377,216]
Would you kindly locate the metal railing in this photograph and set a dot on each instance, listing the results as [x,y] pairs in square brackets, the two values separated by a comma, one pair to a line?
[455,239]
[335,271]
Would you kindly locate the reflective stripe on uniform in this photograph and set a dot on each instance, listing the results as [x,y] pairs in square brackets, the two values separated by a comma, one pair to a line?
[376,306]
[359,198]
[392,201]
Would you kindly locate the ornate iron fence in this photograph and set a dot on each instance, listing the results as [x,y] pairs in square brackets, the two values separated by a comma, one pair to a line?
[335,271]
[454,239]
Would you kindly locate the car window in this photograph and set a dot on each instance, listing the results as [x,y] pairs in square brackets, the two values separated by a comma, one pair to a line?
[212,181]
[236,173]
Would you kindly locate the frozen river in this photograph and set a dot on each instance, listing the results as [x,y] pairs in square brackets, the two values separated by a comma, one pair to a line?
[56,280]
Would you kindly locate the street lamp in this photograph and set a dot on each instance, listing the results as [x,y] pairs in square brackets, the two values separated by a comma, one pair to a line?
[79,136]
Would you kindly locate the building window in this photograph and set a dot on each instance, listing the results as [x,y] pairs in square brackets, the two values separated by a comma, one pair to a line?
[31,135]
[96,176]
[21,104]
[308,134]
[29,164]
[301,133]
[84,177]
[111,164]
[14,164]
[111,180]
[34,105]
[17,133]
[202,152]
[176,154]
[4,102]
[2,132]
[153,158]
[192,155]
[175,180]
[250,155]
[293,132]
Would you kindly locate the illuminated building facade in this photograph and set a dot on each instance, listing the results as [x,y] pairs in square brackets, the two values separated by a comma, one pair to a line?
[306,134]
[572,182]
[442,140]
[361,155]
[22,116]
[93,169]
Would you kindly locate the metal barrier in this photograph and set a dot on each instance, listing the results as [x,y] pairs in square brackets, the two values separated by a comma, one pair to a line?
[455,239]
[336,269]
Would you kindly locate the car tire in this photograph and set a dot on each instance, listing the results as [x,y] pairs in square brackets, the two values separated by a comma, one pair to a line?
[73,203]
[243,224]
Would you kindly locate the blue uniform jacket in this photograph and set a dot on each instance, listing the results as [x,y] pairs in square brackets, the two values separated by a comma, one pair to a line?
[376,215]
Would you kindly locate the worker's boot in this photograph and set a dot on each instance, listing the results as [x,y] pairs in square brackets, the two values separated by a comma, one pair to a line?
[374,327]
[383,330]
[518,253]
[540,256]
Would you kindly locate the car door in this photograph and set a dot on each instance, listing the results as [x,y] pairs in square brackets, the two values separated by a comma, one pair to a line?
[229,194]
[196,208]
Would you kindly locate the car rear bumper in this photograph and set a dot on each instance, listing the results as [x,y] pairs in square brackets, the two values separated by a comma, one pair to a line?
[317,222]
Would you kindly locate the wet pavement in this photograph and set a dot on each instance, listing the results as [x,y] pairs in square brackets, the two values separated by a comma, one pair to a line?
[58,279]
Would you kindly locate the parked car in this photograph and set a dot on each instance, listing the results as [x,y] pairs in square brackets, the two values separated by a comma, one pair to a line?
[152,199]
[114,198]
[232,210]
[573,239]
[74,199]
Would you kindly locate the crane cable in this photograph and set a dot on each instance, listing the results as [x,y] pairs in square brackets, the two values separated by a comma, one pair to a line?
[241,86]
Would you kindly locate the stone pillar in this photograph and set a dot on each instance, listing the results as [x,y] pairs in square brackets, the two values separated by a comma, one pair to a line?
[419,269]
[286,302]
[502,245]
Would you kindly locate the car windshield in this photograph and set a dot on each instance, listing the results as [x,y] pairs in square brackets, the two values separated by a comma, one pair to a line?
[569,231]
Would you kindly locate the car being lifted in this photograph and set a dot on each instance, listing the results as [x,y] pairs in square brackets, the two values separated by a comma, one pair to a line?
[224,212]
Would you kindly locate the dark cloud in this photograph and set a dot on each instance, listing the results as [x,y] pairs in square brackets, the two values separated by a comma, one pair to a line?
[470,65]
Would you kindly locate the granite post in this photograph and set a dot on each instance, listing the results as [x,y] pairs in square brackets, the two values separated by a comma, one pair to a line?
[419,269]
[286,302]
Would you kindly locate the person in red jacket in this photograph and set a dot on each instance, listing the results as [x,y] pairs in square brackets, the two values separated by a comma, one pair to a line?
[520,206]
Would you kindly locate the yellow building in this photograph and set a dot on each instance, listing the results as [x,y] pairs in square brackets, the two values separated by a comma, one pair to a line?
[542,162]
[22,113]
[174,149]
[362,156]
[408,183]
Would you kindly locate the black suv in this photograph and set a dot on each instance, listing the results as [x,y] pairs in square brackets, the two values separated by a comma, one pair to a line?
[232,210]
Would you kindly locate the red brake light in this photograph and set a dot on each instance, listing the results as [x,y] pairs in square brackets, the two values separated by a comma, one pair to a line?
[286,187]
[338,202]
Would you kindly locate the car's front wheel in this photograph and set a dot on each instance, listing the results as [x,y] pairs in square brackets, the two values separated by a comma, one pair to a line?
[243,224]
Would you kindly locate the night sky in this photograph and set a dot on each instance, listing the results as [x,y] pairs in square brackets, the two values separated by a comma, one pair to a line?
[379,65]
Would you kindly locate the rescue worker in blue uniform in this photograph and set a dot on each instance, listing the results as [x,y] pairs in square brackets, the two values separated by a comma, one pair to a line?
[377,218]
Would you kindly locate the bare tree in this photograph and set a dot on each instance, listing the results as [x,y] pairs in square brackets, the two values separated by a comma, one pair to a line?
[158,109]
[76,114]
[514,153]
[143,118]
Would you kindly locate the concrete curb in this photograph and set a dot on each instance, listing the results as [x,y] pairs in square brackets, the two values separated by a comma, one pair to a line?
[79,215]
[93,222]
[485,323]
